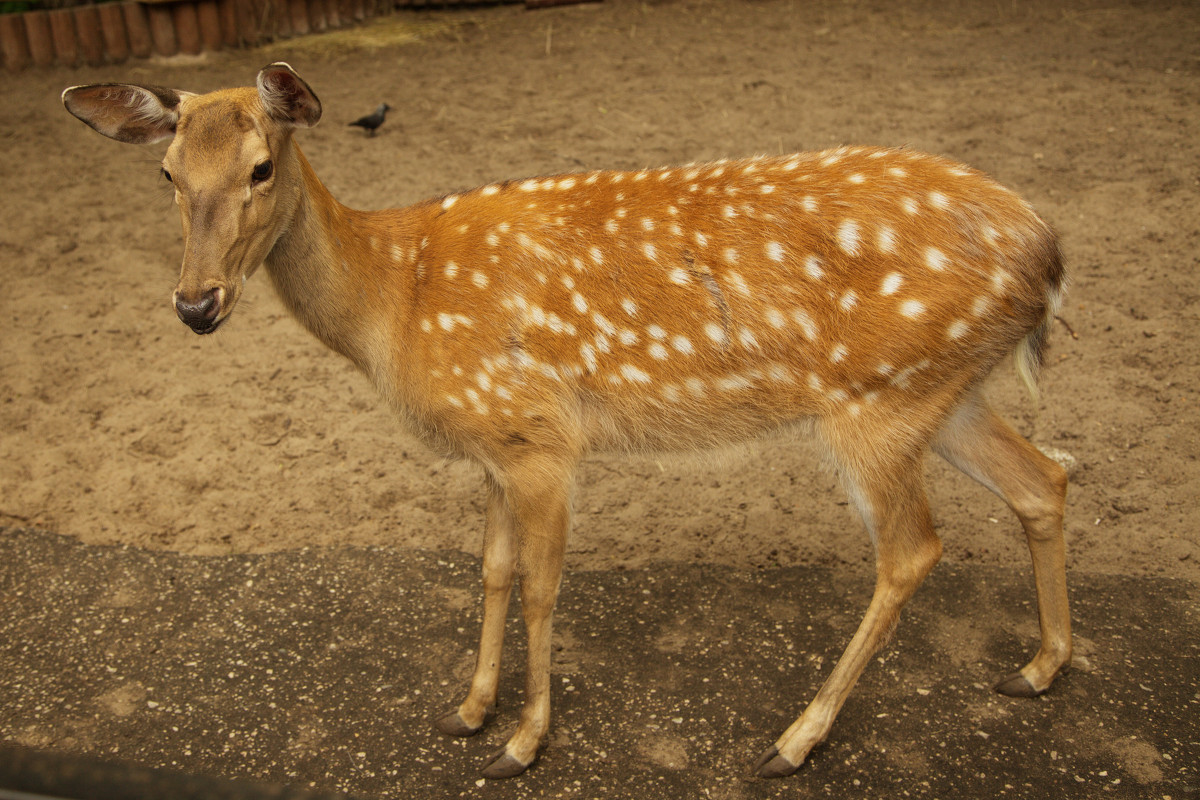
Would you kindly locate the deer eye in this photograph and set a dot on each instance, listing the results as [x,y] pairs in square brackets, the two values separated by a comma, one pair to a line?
[261,172]
[167,175]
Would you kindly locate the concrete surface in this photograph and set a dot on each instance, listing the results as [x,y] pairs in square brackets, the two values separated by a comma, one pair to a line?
[325,669]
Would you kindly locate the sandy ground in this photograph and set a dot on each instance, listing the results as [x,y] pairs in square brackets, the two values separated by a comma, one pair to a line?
[326,668]
[120,426]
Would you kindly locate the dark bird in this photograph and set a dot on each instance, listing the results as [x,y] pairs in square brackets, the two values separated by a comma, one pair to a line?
[370,122]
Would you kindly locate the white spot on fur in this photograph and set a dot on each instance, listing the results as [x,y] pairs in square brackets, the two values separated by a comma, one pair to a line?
[999,279]
[479,279]
[579,303]
[838,353]
[683,345]
[957,330]
[717,334]
[806,323]
[891,283]
[812,268]
[659,352]
[775,251]
[912,308]
[775,318]
[488,191]
[735,280]
[939,200]
[630,307]
[935,259]
[679,276]
[628,337]
[633,374]
[449,201]
[588,353]
[849,300]
[981,305]
[886,240]
[733,383]
[603,324]
[748,339]
[910,205]
[656,332]
[650,252]
[847,236]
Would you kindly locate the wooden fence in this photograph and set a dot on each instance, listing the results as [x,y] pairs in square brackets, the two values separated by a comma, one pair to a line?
[110,33]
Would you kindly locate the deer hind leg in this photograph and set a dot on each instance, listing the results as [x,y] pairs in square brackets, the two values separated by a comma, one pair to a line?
[982,445]
[537,496]
[890,496]
[499,561]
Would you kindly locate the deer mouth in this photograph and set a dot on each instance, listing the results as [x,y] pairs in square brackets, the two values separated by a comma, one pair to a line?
[204,328]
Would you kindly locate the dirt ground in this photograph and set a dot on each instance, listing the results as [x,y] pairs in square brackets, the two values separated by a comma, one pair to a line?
[119,425]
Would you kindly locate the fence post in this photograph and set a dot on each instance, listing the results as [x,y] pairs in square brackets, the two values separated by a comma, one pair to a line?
[13,42]
[112,29]
[162,30]
[62,28]
[87,28]
[297,10]
[137,27]
[187,27]
[210,24]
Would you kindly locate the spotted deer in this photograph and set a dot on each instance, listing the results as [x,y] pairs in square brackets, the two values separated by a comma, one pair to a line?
[860,293]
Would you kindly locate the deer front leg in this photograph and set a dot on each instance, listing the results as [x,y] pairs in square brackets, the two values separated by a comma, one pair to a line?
[499,558]
[540,506]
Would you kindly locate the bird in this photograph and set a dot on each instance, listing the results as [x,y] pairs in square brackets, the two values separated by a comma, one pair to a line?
[372,121]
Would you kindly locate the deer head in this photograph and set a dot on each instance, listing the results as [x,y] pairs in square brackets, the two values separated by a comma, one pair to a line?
[236,175]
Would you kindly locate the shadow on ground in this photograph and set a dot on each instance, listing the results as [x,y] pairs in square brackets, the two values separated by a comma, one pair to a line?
[324,668]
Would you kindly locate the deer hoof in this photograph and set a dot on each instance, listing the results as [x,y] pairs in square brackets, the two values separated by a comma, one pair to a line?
[503,765]
[1017,685]
[454,725]
[773,765]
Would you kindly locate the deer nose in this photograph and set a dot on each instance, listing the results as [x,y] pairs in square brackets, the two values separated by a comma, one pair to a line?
[199,314]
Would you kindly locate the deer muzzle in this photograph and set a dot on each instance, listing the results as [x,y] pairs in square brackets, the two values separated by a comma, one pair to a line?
[200,311]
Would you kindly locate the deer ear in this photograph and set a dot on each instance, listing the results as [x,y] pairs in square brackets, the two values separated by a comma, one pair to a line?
[126,112]
[286,96]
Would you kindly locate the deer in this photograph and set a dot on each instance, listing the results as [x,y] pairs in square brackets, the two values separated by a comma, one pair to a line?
[861,295]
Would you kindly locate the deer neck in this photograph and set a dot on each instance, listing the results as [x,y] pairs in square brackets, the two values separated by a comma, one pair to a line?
[339,272]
